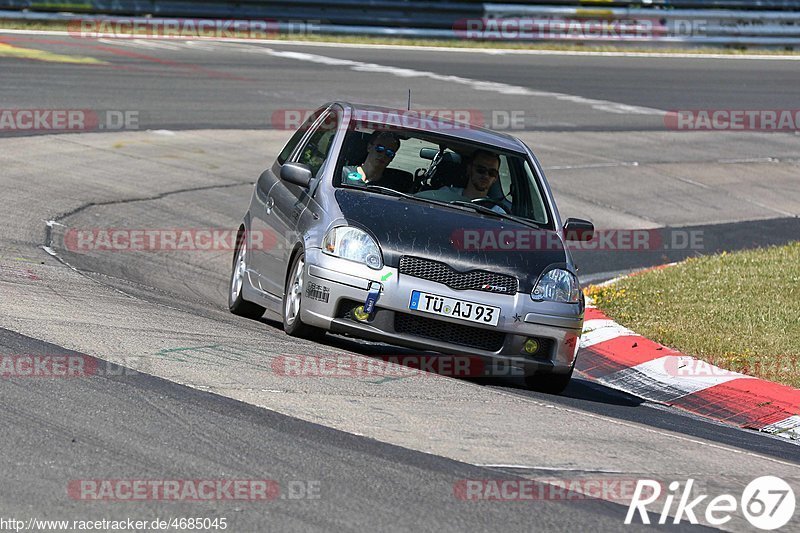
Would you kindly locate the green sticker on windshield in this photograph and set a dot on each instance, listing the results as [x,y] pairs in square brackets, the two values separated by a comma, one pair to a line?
[354,176]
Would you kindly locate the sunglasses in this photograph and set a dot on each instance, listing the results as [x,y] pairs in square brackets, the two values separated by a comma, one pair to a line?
[389,152]
[480,169]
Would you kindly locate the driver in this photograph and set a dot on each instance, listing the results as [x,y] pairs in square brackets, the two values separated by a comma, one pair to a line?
[483,170]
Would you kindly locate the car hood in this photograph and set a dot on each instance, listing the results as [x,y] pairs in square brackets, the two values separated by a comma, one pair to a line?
[463,240]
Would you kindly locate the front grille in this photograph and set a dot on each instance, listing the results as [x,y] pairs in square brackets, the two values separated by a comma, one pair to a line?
[482,339]
[479,280]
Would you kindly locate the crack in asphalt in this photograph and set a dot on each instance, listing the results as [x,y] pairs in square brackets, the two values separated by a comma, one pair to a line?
[48,240]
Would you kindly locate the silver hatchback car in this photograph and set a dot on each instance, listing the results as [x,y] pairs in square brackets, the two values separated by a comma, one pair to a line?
[416,231]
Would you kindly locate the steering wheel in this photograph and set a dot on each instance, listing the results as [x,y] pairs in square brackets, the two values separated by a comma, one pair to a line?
[492,202]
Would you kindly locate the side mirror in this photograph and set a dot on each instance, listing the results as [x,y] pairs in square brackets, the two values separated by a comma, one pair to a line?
[296,173]
[576,229]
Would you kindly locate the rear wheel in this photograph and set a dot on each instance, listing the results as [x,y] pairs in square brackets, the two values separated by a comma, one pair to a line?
[292,302]
[236,304]
[549,383]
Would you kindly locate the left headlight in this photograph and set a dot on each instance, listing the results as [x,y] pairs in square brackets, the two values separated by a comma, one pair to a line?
[557,285]
[353,244]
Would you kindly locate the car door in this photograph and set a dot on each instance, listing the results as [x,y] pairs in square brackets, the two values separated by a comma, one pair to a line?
[267,233]
[285,201]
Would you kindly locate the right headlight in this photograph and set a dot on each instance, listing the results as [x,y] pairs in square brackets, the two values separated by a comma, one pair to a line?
[557,285]
[354,244]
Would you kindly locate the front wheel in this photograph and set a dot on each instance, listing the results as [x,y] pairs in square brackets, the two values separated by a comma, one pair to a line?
[549,383]
[292,302]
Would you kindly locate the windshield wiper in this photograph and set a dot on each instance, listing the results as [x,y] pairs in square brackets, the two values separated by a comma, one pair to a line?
[454,203]
[393,192]
[379,189]
[488,211]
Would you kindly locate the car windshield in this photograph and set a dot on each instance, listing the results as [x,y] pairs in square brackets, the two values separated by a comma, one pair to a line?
[443,169]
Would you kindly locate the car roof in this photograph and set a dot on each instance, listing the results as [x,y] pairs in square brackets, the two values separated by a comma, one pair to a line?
[460,131]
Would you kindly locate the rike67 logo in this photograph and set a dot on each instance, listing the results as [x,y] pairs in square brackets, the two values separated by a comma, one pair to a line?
[767,502]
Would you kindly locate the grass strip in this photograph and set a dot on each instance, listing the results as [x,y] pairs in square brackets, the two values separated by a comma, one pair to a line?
[739,311]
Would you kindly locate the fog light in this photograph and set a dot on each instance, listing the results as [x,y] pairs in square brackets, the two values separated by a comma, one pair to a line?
[531,346]
[360,314]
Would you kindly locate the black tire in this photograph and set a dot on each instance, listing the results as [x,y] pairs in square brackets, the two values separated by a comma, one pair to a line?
[293,325]
[549,383]
[236,304]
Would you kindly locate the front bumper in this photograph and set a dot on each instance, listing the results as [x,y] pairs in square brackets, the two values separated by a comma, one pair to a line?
[335,286]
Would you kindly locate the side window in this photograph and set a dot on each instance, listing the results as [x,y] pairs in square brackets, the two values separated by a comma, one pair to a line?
[297,137]
[316,150]
[537,210]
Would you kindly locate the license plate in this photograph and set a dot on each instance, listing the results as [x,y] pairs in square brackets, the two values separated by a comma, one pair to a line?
[454,308]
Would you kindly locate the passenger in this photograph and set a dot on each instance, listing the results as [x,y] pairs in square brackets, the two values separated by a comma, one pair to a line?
[381,149]
[483,170]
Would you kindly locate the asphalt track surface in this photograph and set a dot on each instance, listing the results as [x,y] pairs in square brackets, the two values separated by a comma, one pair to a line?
[139,427]
[386,455]
[243,84]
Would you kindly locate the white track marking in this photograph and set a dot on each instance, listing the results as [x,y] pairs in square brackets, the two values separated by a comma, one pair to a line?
[144,43]
[749,160]
[667,371]
[599,330]
[210,46]
[549,468]
[595,165]
[692,182]
[169,45]
[789,428]
[118,42]
[478,85]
